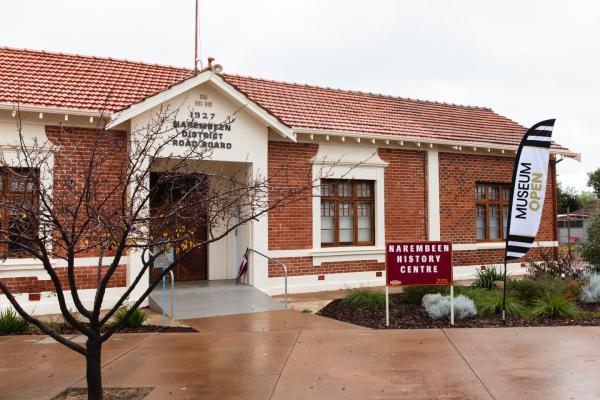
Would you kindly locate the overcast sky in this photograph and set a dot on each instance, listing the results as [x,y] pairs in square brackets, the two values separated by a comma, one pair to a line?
[527,60]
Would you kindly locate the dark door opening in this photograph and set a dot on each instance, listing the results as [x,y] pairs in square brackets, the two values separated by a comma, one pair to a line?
[165,192]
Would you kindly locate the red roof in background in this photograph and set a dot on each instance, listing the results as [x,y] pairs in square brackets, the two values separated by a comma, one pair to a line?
[56,80]
[583,212]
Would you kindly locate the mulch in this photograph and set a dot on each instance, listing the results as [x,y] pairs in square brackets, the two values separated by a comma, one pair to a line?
[412,316]
[109,394]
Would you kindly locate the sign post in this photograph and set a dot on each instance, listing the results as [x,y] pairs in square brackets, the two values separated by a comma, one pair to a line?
[418,264]
[387,306]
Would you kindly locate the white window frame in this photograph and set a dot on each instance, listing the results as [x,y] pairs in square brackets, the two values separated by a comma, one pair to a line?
[353,163]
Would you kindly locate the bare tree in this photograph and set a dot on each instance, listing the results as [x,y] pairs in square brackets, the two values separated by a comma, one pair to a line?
[107,194]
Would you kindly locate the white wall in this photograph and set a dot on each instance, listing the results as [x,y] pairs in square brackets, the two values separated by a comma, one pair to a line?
[249,145]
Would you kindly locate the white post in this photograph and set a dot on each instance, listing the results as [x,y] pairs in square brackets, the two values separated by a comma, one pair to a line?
[387,306]
[452,305]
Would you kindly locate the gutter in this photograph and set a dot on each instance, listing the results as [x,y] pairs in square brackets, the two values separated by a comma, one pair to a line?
[423,142]
[53,110]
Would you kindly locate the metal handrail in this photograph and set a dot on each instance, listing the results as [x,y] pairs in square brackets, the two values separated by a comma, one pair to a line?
[172,295]
[285,272]
[164,298]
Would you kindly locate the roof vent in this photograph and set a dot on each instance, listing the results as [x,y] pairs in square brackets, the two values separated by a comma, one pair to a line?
[216,68]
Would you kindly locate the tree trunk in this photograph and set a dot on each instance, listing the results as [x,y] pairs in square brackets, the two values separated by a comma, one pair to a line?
[94,373]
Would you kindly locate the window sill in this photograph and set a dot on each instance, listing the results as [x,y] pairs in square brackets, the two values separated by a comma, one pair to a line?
[343,250]
[21,264]
[350,253]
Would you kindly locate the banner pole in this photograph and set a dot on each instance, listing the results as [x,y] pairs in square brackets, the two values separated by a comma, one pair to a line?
[504,292]
[452,305]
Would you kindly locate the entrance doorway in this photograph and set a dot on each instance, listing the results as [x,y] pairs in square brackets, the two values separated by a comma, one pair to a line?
[165,192]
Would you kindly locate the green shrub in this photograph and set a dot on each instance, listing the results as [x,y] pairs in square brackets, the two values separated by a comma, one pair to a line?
[528,290]
[11,322]
[590,249]
[135,320]
[365,298]
[414,294]
[485,277]
[554,305]
[489,302]
[306,311]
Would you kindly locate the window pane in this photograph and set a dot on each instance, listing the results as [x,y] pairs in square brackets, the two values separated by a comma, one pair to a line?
[364,221]
[493,193]
[345,189]
[363,189]
[326,189]
[494,221]
[480,222]
[18,226]
[327,222]
[505,193]
[346,221]
[19,182]
[480,192]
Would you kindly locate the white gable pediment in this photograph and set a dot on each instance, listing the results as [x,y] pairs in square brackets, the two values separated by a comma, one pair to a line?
[170,96]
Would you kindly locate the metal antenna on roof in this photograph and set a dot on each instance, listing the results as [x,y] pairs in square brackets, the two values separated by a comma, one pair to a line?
[196,34]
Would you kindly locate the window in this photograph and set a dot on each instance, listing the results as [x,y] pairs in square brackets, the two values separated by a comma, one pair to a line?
[491,218]
[19,188]
[347,213]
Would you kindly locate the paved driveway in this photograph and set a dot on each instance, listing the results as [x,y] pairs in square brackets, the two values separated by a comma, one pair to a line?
[290,355]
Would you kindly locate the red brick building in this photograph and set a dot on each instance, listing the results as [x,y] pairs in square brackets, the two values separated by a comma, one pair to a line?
[411,170]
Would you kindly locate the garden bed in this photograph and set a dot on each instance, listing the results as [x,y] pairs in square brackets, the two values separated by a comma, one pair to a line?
[404,315]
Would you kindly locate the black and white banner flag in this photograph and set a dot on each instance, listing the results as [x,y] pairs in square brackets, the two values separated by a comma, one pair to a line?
[528,189]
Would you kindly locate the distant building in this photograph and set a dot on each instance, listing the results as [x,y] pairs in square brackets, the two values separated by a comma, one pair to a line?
[575,225]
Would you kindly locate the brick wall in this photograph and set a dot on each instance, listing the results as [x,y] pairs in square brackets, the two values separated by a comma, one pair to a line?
[303,266]
[492,256]
[405,194]
[290,227]
[459,174]
[71,164]
[85,278]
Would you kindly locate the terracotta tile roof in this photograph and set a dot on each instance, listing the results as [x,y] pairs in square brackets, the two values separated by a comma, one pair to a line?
[313,107]
[56,80]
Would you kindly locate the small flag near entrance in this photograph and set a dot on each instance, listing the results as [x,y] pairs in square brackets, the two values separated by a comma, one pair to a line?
[243,267]
[528,189]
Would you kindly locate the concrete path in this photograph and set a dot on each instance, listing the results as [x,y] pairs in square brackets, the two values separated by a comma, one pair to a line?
[198,299]
[290,355]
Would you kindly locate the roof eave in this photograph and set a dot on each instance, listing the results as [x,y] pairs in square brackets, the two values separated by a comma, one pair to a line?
[54,110]
[427,141]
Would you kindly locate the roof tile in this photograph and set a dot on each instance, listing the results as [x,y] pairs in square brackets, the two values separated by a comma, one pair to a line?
[38,78]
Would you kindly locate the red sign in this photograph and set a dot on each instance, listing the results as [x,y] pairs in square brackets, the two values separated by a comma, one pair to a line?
[425,263]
